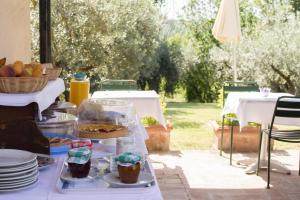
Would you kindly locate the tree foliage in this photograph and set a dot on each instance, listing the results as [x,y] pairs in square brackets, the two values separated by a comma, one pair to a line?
[169,59]
[272,57]
[127,39]
[295,5]
[200,80]
[107,38]
[201,83]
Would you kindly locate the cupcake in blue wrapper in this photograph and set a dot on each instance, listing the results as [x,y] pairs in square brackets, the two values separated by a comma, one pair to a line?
[129,166]
[79,162]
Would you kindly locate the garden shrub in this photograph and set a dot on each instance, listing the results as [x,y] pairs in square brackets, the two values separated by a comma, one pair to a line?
[167,71]
[201,83]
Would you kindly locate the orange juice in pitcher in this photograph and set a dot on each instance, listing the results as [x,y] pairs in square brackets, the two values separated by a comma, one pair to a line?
[79,88]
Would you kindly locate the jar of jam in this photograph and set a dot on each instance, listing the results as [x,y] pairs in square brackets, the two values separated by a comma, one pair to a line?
[129,166]
[79,162]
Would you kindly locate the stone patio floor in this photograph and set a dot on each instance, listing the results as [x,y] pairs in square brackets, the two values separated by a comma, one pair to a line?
[193,174]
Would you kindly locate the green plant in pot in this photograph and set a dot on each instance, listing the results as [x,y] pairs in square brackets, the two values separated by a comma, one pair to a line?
[149,121]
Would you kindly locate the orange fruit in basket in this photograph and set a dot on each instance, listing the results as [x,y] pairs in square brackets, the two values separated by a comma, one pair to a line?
[18,67]
[37,70]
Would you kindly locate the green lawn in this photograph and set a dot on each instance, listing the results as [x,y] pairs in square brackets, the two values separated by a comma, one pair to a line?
[190,125]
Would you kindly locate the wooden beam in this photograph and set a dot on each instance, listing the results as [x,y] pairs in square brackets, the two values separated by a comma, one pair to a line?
[45,31]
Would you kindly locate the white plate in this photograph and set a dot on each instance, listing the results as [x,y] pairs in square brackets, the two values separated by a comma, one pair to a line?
[18,168]
[66,176]
[19,173]
[14,157]
[145,179]
[16,185]
[17,181]
[23,176]
[20,188]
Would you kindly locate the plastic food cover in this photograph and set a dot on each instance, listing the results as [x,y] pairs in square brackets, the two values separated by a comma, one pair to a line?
[59,123]
[111,111]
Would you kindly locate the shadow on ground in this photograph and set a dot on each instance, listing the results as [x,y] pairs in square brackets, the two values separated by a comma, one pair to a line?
[204,175]
[283,187]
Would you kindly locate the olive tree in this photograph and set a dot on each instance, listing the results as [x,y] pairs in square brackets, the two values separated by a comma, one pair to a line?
[271,57]
[107,38]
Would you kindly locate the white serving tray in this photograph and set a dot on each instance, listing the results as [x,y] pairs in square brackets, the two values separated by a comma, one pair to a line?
[98,185]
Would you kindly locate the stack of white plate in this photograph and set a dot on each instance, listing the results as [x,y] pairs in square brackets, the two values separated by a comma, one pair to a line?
[18,170]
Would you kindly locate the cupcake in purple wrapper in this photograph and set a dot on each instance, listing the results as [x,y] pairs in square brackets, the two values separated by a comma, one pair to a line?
[79,162]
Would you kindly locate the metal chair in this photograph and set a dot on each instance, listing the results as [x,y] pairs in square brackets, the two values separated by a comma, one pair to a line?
[233,86]
[119,85]
[286,107]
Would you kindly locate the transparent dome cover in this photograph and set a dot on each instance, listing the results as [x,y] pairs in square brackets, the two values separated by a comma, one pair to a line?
[59,125]
[58,118]
[107,111]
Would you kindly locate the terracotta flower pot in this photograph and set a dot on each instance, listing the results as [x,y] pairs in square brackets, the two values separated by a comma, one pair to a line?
[244,140]
[159,137]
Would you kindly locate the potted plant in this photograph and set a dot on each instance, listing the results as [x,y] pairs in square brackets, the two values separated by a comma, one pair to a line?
[245,139]
[159,136]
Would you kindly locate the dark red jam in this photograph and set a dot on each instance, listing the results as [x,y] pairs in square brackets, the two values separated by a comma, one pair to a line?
[80,170]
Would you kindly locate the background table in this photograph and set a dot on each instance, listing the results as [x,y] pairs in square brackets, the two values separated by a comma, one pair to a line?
[46,188]
[253,107]
[146,103]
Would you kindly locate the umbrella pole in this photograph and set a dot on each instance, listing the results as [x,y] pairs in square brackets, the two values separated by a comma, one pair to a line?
[234,63]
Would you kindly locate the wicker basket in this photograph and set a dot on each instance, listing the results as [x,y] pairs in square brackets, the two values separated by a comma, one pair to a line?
[22,84]
[53,73]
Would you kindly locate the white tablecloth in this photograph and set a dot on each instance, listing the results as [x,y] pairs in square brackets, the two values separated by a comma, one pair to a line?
[146,103]
[253,107]
[43,98]
[47,190]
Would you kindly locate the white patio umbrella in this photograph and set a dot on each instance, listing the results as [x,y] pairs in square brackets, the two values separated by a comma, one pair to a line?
[227,27]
